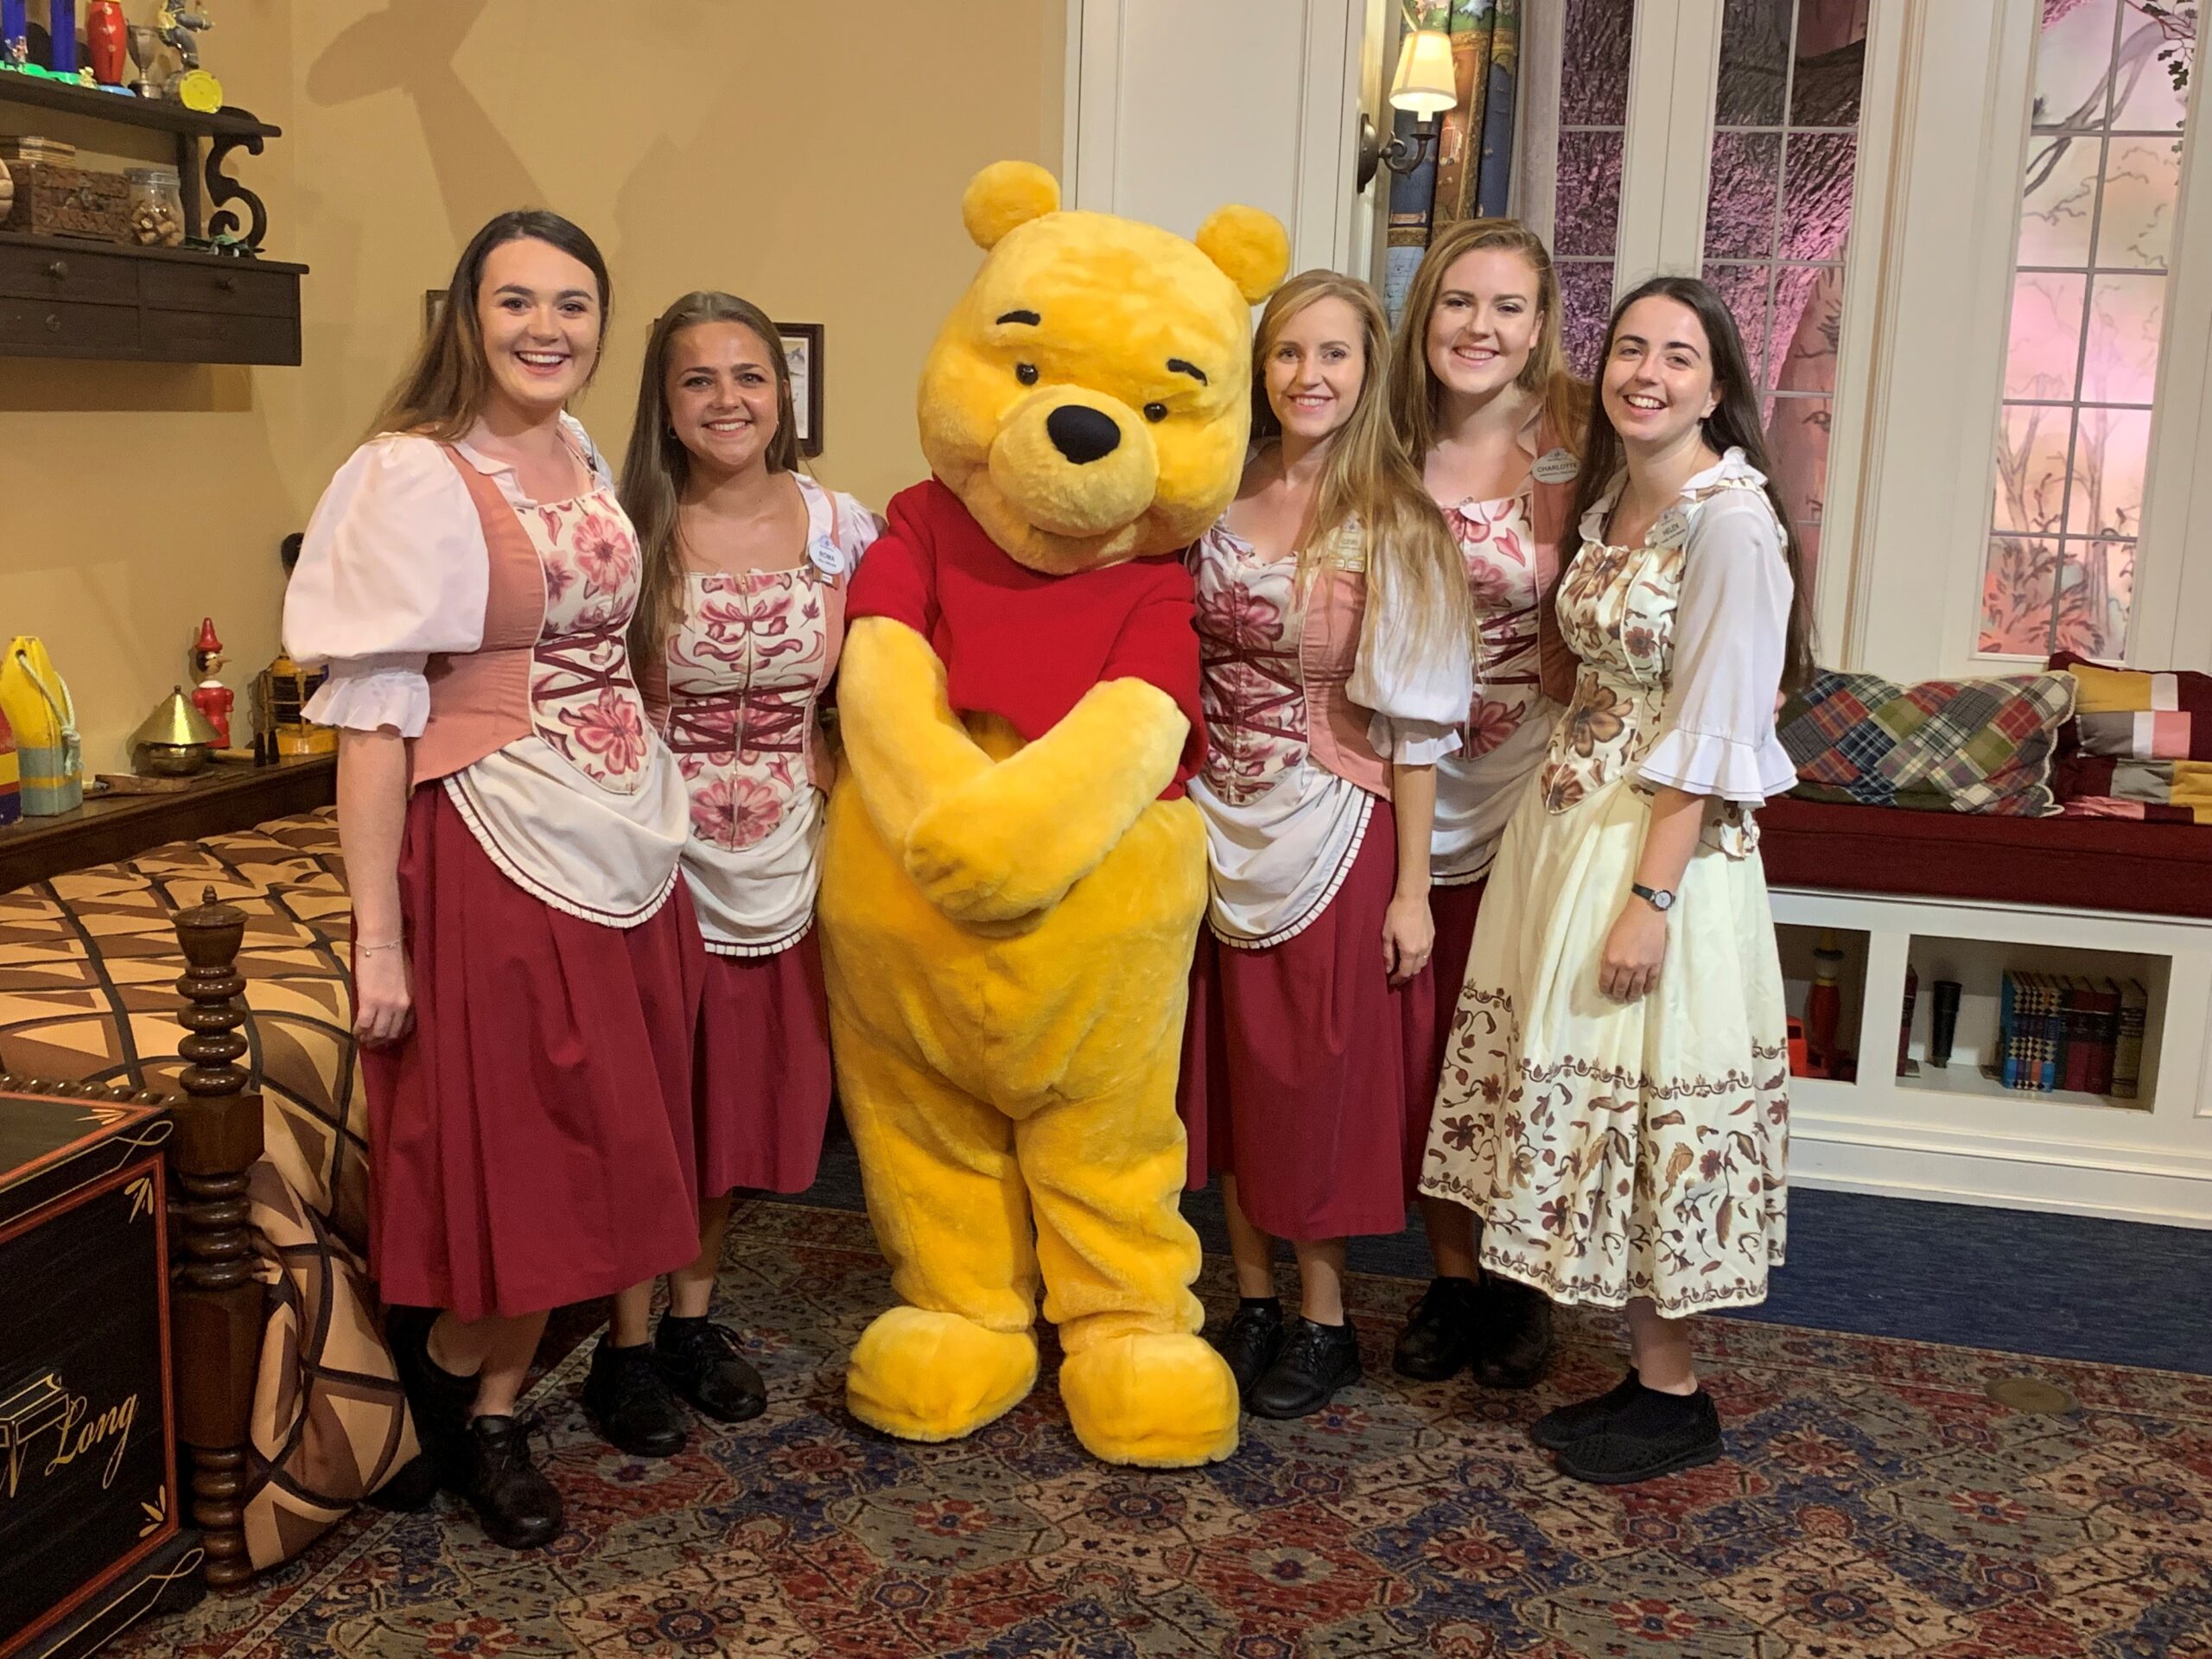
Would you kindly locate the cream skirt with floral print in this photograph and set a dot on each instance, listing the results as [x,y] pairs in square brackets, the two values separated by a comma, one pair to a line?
[1617,1151]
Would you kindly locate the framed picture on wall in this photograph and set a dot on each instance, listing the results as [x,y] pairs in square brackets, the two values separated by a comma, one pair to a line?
[801,344]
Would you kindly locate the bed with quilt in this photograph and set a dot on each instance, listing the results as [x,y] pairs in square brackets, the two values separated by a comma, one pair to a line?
[89,961]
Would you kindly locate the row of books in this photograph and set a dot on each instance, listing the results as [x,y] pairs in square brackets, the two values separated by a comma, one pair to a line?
[2067,1031]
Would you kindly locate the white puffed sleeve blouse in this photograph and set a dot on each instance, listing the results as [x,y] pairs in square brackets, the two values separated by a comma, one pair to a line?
[1419,702]
[393,569]
[1732,630]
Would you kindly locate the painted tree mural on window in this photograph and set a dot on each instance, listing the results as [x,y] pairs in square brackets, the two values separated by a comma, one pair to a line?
[1594,129]
[1785,150]
[2097,214]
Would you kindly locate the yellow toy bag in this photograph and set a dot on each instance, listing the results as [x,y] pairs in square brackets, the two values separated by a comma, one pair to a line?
[38,707]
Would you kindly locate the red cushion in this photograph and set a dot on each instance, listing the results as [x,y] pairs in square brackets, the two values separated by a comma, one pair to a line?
[2159,869]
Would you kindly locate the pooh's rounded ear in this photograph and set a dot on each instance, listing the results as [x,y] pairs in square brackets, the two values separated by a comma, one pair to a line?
[1249,245]
[1004,195]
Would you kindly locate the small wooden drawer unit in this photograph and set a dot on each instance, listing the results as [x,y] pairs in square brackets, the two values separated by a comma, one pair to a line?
[152,305]
[89,1501]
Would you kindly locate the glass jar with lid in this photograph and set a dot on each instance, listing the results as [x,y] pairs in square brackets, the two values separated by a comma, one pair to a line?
[156,209]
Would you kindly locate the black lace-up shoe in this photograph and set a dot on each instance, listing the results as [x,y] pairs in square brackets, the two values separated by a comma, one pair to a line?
[1250,1341]
[1652,1434]
[518,1506]
[703,1361]
[1584,1417]
[1315,1361]
[1513,1333]
[1439,1339]
[630,1405]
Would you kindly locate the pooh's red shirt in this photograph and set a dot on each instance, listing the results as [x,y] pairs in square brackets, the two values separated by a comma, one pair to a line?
[1025,647]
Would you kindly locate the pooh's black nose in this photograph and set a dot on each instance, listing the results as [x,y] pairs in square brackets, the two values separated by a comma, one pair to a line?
[1082,434]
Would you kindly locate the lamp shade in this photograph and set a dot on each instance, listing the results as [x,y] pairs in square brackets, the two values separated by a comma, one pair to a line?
[1426,84]
[174,721]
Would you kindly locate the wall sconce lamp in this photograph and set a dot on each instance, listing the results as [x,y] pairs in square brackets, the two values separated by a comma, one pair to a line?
[1426,86]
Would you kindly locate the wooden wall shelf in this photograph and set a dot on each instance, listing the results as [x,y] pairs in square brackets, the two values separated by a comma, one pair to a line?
[228,796]
[37,92]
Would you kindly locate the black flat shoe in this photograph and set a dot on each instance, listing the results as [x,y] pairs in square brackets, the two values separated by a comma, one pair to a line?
[1250,1341]
[1513,1333]
[1315,1362]
[1652,1435]
[518,1506]
[1584,1417]
[630,1405]
[438,1401]
[1439,1340]
[701,1362]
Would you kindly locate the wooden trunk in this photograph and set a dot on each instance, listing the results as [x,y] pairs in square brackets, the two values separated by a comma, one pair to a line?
[55,200]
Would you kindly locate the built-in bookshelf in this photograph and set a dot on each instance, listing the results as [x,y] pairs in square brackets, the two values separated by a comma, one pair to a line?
[1955,1131]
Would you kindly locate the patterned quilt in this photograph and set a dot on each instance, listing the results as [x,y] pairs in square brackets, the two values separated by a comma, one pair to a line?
[88,967]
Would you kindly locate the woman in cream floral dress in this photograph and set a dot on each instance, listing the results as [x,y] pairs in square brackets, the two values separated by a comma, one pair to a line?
[1614,1100]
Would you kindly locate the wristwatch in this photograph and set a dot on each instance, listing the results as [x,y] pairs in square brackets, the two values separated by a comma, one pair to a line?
[1658,898]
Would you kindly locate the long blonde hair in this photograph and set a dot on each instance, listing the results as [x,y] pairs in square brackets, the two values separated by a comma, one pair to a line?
[447,384]
[1415,575]
[657,466]
[1415,392]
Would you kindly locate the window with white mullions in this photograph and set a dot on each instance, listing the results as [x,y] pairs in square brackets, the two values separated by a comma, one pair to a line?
[1786,118]
[2091,271]
[1594,129]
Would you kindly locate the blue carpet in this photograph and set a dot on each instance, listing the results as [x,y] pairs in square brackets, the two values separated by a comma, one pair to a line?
[2109,1292]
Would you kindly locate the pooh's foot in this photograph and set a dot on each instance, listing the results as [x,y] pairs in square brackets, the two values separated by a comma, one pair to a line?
[937,1377]
[1162,1401]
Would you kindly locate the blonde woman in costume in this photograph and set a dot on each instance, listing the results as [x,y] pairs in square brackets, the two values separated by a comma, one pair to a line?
[1334,638]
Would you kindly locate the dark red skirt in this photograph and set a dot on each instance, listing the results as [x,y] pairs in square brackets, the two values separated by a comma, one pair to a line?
[1300,1064]
[1453,910]
[529,1140]
[763,1086]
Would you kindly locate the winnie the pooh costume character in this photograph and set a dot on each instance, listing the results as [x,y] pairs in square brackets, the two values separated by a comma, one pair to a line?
[1012,878]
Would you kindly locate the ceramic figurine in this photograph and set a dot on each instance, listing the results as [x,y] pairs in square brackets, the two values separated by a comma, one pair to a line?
[104,32]
[14,33]
[210,697]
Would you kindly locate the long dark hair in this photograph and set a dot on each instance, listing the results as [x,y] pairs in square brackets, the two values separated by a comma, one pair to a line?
[657,466]
[445,386]
[1733,424]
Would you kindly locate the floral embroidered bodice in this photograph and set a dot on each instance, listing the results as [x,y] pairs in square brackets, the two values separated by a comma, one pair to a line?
[746,669]
[1616,609]
[1250,634]
[1497,541]
[583,698]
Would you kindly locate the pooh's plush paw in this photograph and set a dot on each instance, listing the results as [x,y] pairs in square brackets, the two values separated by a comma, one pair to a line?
[923,1376]
[1161,1401]
[963,865]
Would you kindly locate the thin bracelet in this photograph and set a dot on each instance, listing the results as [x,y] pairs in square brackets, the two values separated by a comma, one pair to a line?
[360,949]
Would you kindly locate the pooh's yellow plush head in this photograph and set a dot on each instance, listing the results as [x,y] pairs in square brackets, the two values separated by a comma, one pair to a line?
[1089,398]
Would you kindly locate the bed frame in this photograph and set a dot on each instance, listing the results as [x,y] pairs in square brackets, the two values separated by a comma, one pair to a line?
[217,1306]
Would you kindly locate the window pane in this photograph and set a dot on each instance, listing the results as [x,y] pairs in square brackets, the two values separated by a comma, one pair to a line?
[2096,595]
[1754,58]
[1797,443]
[2018,588]
[2142,186]
[2156,50]
[1587,219]
[1586,296]
[1831,67]
[1739,220]
[2044,353]
[2060,199]
[2031,467]
[2112,448]
[1594,74]
[1817,171]
[1744,288]
[2125,315]
[2073,58]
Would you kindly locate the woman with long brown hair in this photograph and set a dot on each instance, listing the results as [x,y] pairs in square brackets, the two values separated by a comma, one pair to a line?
[527,969]
[1484,404]
[738,625]
[1615,1101]
[1333,632]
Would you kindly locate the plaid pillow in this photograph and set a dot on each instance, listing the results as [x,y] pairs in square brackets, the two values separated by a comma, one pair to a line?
[2140,745]
[1941,746]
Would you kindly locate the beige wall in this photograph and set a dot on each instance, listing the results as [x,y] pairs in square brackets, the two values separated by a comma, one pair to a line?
[776,148]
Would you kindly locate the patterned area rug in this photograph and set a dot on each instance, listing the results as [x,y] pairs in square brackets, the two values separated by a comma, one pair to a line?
[1876,1503]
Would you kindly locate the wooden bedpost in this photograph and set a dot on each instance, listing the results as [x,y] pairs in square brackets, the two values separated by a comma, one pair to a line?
[217,1301]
